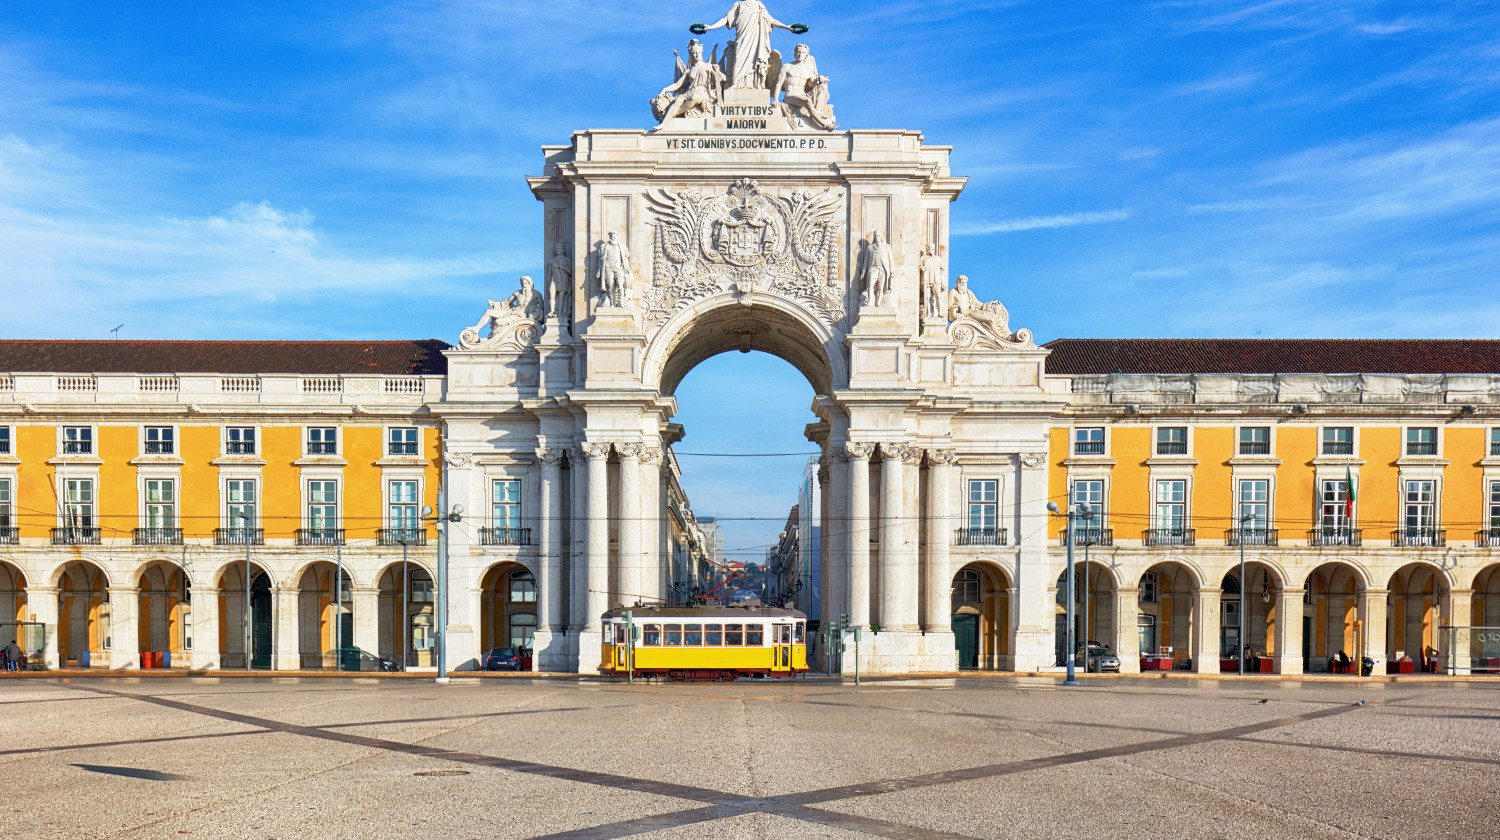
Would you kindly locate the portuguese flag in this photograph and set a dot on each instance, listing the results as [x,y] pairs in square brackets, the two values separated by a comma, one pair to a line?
[1349,496]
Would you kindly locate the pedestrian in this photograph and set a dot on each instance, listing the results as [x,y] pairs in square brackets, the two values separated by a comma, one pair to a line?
[13,656]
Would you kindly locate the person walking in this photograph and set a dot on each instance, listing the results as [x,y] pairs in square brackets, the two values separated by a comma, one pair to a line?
[13,656]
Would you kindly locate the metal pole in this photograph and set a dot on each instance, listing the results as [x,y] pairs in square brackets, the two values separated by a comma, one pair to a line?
[1087,541]
[441,632]
[404,622]
[629,648]
[1244,594]
[856,656]
[338,611]
[1072,677]
[245,535]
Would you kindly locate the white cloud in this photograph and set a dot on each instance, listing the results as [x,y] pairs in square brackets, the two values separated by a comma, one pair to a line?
[1041,222]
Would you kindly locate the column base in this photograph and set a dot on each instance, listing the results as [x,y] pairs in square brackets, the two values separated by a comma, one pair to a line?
[1289,665]
[588,658]
[551,650]
[123,659]
[460,643]
[286,661]
[891,652]
[203,661]
[1035,649]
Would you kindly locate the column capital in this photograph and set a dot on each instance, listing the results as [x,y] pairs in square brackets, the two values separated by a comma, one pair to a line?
[594,451]
[1372,592]
[941,457]
[650,454]
[629,451]
[911,456]
[859,451]
[549,457]
[894,450]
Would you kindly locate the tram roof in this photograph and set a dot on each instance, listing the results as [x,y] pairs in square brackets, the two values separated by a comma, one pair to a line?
[707,612]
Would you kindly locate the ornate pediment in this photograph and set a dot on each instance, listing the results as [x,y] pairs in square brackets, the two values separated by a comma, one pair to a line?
[745,241]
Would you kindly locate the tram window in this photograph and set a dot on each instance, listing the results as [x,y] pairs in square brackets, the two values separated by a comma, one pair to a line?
[692,635]
[783,634]
[674,635]
[713,634]
[755,635]
[619,634]
[652,636]
[734,635]
[801,632]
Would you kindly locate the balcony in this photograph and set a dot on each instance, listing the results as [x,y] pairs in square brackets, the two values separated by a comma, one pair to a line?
[403,536]
[239,536]
[320,536]
[1088,536]
[1255,447]
[1250,536]
[1488,538]
[10,535]
[77,535]
[1421,447]
[158,536]
[505,536]
[239,447]
[979,536]
[1156,537]
[1419,538]
[1334,536]
[78,447]
[1338,447]
[159,447]
[329,448]
[1088,447]
[1171,447]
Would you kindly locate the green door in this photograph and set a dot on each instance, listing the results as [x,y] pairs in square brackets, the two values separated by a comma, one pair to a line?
[966,639]
[260,623]
[1307,641]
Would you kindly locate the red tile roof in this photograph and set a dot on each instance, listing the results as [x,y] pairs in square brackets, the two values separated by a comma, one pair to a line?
[1238,355]
[231,357]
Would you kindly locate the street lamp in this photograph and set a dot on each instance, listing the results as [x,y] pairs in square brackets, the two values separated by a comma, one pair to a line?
[402,627]
[455,514]
[1083,510]
[245,535]
[1244,592]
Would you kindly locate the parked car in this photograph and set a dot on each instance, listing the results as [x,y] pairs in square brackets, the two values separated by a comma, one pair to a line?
[504,659]
[357,659]
[1099,659]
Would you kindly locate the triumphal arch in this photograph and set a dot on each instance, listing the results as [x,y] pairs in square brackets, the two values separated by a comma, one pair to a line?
[747,219]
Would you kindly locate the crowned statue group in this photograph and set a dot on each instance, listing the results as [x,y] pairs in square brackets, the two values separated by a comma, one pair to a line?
[748,66]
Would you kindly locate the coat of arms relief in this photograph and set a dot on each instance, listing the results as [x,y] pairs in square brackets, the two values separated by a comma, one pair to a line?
[747,242]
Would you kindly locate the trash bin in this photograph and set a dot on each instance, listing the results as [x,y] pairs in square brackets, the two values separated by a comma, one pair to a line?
[145,659]
[83,659]
[166,659]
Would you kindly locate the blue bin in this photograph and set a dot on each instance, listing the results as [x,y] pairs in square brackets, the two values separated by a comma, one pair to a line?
[166,659]
[83,659]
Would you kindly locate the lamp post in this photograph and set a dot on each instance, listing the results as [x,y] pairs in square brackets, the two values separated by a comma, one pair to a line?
[245,535]
[1081,509]
[441,519]
[1244,592]
[401,626]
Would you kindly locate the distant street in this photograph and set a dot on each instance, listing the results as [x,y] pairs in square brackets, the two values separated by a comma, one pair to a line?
[988,758]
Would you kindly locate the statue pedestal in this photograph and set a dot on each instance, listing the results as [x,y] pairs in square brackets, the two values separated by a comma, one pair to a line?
[745,96]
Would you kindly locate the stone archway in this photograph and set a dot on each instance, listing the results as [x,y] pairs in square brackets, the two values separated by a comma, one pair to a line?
[243,622]
[1335,591]
[164,613]
[412,592]
[13,604]
[84,611]
[1418,593]
[981,615]
[323,624]
[1095,617]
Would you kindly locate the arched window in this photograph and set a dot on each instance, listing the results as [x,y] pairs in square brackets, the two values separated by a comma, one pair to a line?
[1231,585]
[522,587]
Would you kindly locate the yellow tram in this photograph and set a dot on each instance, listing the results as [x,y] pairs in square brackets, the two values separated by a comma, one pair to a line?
[706,643]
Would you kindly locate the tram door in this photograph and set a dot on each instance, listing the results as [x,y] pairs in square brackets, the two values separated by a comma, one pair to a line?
[621,648]
[781,647]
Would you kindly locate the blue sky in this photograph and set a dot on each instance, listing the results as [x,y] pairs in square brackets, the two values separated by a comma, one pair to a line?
[354,169]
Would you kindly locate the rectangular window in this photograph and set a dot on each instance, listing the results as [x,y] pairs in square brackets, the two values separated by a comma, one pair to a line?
[651,635]
[1091,493]
[322,441]
[984,503]
[239,440]
[1171,503]
[159,440]
[522,588]
[1255,440]
[754,635]
[161,503]
[1421,441]
[78,507]
[1333,511]
[402,442]
[674,635]
[1495,441]
[1421,506]
[1088,441]
[4,440]
[1494,506]
[734,635]
[421,590]
[403,506]
[1338,440]
[1171,440]
[322,505]
[5,511]
[239,499]
[692,635]
[505,503]
[1254,515]
[78,440]
[713,635]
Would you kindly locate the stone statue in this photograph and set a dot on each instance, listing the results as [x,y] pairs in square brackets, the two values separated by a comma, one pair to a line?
[803,92]
[875,272]
[512,321]
[614,271]
[963,304]
[761,67]
[752,26]
[560,285]
[699,84]
[934,284]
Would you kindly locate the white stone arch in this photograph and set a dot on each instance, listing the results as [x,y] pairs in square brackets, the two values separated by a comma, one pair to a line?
[1442,573]
[294,578]
[724,322]
[220,571]
[139,570]
[55,575]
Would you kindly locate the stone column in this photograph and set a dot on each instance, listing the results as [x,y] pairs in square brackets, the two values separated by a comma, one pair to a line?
[1372,617]
[939,578]
[1036,575]
[1457,612]
[1127,638]
[366,607]
[652,551]
[834,522]
[1289,630]
[892,539]
[205,653]
[124,627]
[41,602]
[1205,636]
[596,598]
[908,566]
[858,533]
[578,532]
[549,510]
[630,523]
[286,640]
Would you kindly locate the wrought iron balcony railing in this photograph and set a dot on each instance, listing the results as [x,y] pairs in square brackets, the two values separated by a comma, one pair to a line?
[10,535]
[1154,537]
[239,536]
[1171,447]
[1419,538]
[403,536]
[76,535]
[1250,536]
[1087,536]
[1088,447]
[1334,536]
[505,536]
[1255,447]
[1489,538]
[158,536]
[979,536]
[320,536]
